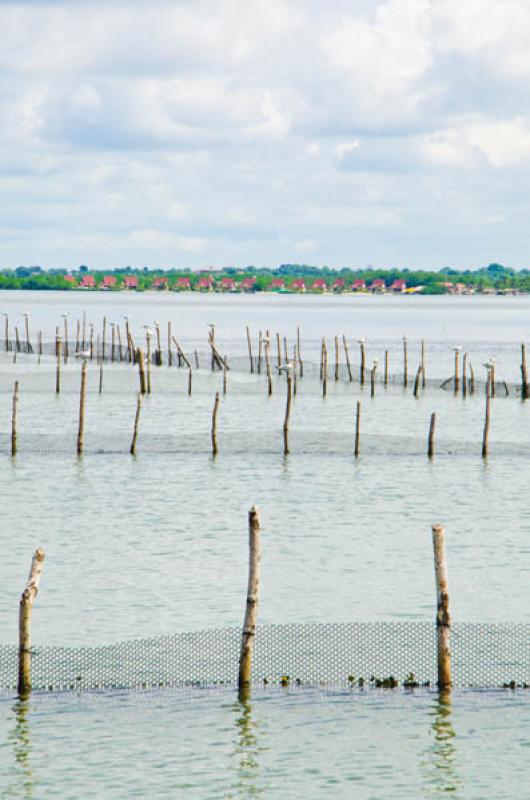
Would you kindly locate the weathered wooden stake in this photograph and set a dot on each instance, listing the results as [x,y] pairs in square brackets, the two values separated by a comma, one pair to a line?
[39,344]
[136,423]
[148,362]
[58,347]
[357,429]
[471,379]
[83,345]
[417,381]
[24,623]
[278,349]
[347,356]
[17,339]
[158,354]
[363,362]
[169,350]
[336,358]
[100,387]
[295,361]
[422,364]
[14,437]
[287,411]
[385,381]
[214,424]
[492,380]
[325,371]
[189,381]
[225,373]
[77,336]
[141,370]
[298,351]
[372,377]
[268,363]
[432,427]
[112,341]
[405,363]
[249,343]
[65,349]
[251,610]
[443,617]
[197,365]
[6,332]
[82,399]
[457,370]
[29,348]
[260,349]
[524,374]
[91,342]
[485,435]
[464,375]
[103,337]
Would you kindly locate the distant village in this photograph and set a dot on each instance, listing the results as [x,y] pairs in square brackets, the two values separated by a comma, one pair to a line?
[288,278]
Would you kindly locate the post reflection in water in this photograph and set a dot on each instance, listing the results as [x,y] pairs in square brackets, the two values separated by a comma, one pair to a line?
[440,764]
[23,782]
[247,748]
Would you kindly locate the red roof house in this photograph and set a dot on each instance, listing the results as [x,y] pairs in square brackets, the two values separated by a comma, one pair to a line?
[338,285]
[358,285]
[319,285]
[378,285]
[183,283]
[71,279]
[248,284]
[298,285]
[399,285]
[160,283]
[228,284]
[205,284]
[88,282]
[130,282]
[109,282]
[277,283]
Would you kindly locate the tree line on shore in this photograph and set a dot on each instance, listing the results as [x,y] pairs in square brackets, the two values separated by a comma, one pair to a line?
[285,278]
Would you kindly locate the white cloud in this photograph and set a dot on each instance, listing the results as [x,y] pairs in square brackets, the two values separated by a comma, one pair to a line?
[499,143]
[305,246]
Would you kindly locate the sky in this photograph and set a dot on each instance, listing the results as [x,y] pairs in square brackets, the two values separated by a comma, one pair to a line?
[344,133]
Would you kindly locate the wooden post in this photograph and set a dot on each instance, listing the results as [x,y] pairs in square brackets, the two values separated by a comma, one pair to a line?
[524,374]
[39,344]
[464,375]
[14,438]
[17,339]
[197,360]
[432,427]
[65,349]
[91,342]
[298,351]
[148,360]
[103,337]
[260,348]
[113,341]
[471,379]
[443,617]
[84,342]
[485,435]
[405,363]
[372,377]
[128,338]
[141,370]
[422,364]
[357,429]
[347,356]
[169,350]
[82,398]
[268,363]
[249,343]
[287,411]
[58,346]
[457,370]
[279,349]
[336,358]
[386,368]
[325,370]
[225,373]
[77,335]
[363,361]
[120,345]
[417,382]
[158,354]
[492,379]
[285,349]
[322,359]
[295,361]
[27,599]
[6,332]
[136,423]
[214,424]
[29,348]
[189,381]
[251,610]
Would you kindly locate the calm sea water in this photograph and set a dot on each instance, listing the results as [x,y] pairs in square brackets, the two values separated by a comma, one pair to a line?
[145,546]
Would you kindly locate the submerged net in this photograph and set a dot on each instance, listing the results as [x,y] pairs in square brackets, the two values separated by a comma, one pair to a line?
[483,656]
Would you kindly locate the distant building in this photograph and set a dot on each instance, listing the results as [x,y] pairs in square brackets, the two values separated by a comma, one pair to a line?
[399,285]
[339,285]
[109,282]
[319,285]
[248,284]
[88,282]
[130,282]
[71,279]
[228,284]
[277,283]
[160,283]
[377,286]
[183,284]
[298,285]
[205,284]
[358,285]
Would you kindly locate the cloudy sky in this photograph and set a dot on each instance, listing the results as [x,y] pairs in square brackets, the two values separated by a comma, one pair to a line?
[345,132]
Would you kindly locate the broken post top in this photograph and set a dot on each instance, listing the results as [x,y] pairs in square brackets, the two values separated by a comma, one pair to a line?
[32,586]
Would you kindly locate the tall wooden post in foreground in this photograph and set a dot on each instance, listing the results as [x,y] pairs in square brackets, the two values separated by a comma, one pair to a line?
[287,410]
[347,355]
[82,399]
[251,611]
[249,343]
[14,436]
[24,625]
[58,348]
[405,363]
[443,617]
[136,423]
[141,370]
[357,429]
[214,424]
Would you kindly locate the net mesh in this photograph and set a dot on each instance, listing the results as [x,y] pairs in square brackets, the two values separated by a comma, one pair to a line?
[484,655]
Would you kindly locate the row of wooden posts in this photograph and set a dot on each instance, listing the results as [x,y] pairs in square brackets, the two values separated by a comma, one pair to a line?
[248,636]
[91,345]
[290,370]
